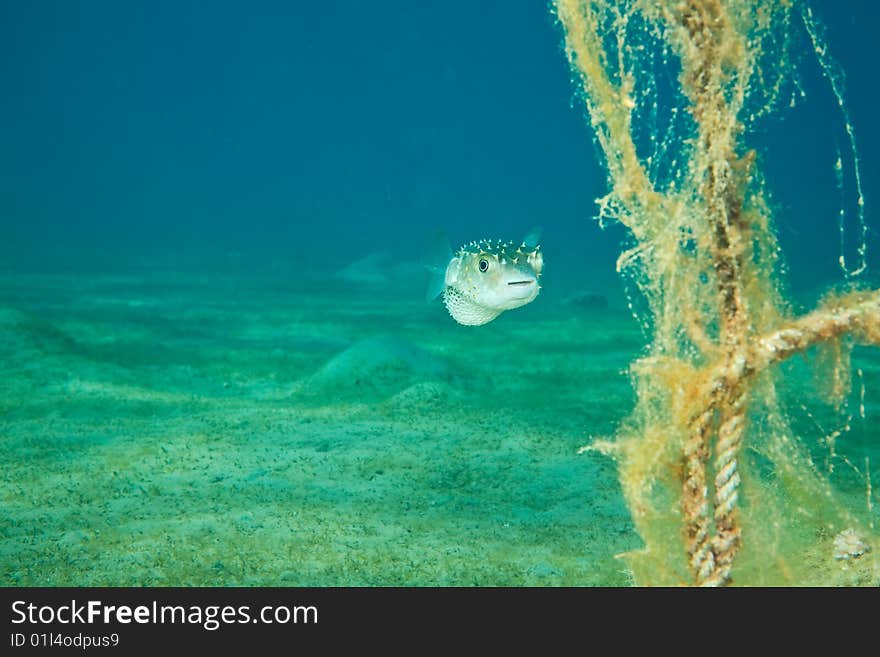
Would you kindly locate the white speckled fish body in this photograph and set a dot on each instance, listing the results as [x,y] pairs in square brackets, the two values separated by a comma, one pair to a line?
[485,278]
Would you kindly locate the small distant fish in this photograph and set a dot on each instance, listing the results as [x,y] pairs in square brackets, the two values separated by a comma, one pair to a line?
[485,278]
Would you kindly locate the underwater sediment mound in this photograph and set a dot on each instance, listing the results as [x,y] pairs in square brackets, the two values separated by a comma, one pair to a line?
[586,301]
[375,369]
[423,397]
[25,334]
[369,270]
[381,269]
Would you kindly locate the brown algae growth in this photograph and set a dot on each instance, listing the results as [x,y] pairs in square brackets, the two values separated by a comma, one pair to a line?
[720,485]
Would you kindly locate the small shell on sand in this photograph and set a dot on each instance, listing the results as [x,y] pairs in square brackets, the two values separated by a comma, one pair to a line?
[849,544]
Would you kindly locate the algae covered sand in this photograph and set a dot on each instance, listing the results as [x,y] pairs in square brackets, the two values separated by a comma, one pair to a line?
[196,429]
[203,429]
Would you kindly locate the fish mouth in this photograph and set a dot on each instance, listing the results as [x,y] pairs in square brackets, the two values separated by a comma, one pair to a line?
[520,282]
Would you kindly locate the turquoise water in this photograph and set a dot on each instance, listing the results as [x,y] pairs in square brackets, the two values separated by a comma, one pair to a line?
[217,366]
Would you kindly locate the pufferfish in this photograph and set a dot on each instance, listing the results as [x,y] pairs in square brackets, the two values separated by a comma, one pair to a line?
[486,277]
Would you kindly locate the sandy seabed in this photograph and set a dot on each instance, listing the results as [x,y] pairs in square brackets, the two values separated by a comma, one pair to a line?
[213,429]
[198,429]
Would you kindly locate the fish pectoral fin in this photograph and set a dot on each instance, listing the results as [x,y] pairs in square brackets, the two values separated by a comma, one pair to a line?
[436,282]
[533,237]
[436,259]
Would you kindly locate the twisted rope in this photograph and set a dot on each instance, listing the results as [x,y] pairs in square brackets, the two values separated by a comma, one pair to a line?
[726,542]
[695,499]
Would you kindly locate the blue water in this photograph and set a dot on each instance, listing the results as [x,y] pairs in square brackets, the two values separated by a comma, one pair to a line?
[306,131]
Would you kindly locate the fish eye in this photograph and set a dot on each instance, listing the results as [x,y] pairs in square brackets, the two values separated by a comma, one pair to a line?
[484,265]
